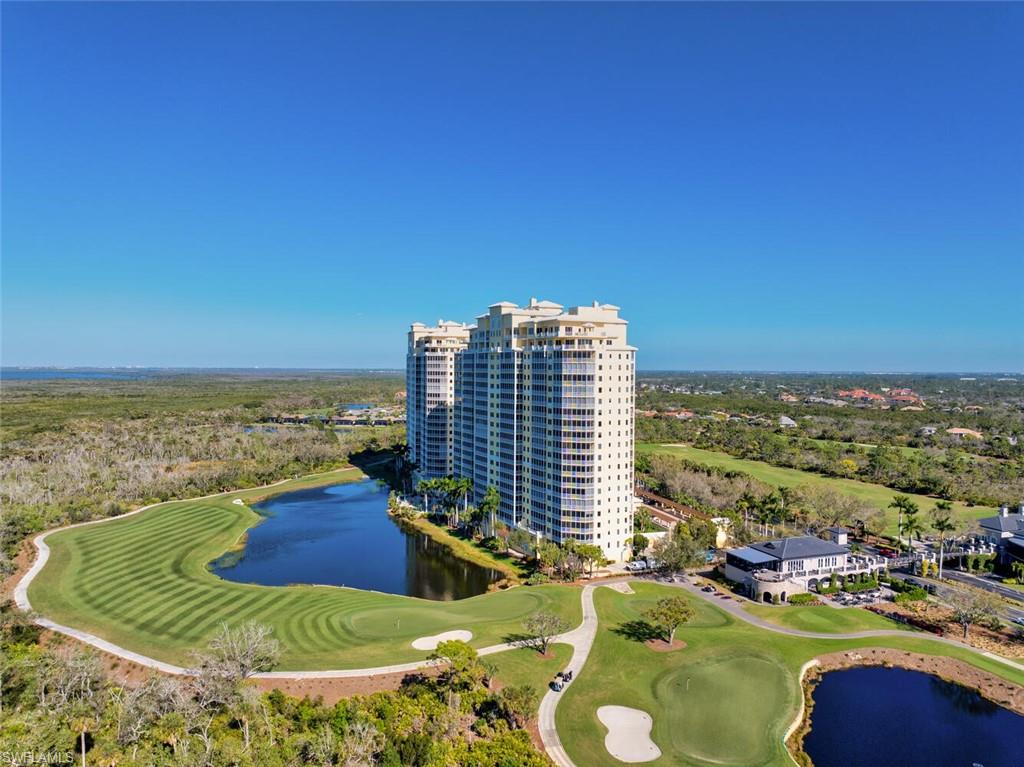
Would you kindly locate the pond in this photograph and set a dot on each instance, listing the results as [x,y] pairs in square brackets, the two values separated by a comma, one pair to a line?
[865,717]
[341,535]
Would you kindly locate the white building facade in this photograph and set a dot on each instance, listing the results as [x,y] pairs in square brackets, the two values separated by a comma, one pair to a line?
[542,404]
[429,384]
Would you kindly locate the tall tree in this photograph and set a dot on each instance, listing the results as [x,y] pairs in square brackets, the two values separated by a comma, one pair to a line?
[942,523]
[489,507]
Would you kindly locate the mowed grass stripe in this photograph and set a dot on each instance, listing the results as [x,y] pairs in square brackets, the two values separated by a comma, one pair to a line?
[104,572]
[132,547]
[142,582]
[177,626]
[143,533]
[107,533]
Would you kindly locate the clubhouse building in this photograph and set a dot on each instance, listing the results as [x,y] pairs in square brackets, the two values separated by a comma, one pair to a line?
[796,565]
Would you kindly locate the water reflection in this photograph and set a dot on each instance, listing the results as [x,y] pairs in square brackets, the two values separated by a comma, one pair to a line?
[341,535]
[866,717]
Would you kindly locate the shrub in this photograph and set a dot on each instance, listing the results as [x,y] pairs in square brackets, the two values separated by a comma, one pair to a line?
[775,599]
[914,594]
[804,599]
[537,579]
[861,586]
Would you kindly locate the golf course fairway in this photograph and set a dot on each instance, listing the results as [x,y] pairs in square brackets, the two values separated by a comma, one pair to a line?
[726,698]
[142,583]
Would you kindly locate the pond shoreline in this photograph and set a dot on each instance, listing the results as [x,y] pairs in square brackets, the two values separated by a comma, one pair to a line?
[991,687]
[461,548]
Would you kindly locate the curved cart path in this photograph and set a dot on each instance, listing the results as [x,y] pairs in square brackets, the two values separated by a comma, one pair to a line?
[581,638]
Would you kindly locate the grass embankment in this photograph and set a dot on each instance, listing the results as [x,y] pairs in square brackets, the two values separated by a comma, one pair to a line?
[725,699]
[779,476]
[511,567]
[142,582]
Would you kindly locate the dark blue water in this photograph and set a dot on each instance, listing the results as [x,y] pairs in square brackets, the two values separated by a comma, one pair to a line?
[47,374]
[867,717]
[341,535]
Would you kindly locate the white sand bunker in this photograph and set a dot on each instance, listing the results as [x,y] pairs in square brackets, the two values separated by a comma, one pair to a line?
[629,734]
[431,643]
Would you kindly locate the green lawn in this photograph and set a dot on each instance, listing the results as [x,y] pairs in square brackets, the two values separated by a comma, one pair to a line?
[527,666]
[725,699]
[143,583]
[823,619]
[779,476]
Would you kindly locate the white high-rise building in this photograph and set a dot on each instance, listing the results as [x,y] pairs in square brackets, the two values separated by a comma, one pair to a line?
[543,410]
[429,384]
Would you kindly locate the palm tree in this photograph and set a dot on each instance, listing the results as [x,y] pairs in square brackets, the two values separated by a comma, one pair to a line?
[426,488]
[905,506]
[744,504]
[771,508]
[912,526]
[465,487]
[489,507]
[942,523]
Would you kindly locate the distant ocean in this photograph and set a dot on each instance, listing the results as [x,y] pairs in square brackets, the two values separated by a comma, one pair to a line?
[136,374]
[46,374]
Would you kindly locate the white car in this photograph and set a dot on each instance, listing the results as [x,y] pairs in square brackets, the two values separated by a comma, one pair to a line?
[636,566]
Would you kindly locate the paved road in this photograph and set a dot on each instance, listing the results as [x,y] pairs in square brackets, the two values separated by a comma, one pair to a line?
[985,583]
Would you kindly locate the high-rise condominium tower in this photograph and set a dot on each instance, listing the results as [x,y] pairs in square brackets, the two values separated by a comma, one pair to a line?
[429,384]
[540,406]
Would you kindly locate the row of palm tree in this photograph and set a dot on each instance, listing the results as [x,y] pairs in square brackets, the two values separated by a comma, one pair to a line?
[941,521]
[448,491]
[771,509]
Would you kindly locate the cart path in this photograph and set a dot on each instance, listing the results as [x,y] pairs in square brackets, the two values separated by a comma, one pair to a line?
[582,639]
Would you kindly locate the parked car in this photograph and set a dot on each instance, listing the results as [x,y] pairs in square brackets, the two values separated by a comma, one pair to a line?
[636,565]
[1019,621]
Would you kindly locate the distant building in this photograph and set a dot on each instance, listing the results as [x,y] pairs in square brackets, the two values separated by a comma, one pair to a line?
[961,434]
[785,422]
[862,395]
[927,431]
[787,397]
[795,565]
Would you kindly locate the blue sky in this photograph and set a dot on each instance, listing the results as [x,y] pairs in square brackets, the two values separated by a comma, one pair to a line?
[768,186]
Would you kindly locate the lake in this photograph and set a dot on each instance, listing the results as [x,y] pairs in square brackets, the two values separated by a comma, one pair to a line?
[342,535]
[865,717]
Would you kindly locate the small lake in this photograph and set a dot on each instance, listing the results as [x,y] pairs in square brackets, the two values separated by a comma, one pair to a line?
[341,535]
[865,717]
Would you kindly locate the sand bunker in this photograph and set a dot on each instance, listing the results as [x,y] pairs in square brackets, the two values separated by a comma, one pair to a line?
[431,643]
[629,734]
[621,587]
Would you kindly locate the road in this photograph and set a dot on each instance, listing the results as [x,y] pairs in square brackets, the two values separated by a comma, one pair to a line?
[985,583]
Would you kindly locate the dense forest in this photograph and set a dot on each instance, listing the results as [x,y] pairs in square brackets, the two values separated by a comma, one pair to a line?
[949,473]
[58,707]
[77,450]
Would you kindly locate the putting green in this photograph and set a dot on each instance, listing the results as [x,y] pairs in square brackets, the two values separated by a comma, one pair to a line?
[724,699]
[733,697]
[142,583]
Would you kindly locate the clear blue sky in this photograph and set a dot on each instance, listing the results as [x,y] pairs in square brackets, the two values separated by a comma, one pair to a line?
[770,186]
